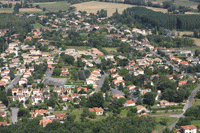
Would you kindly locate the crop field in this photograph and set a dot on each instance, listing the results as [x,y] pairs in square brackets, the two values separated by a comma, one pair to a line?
[54,6]
[29,10]
[94,6]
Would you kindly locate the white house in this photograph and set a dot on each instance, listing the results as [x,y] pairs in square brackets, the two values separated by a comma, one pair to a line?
[129,103]
[188,129]
[21,98]
[22,70]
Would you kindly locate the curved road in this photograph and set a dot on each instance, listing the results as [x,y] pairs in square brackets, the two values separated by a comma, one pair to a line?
[187,105]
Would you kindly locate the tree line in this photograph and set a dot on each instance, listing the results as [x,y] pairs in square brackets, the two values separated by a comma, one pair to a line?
[152,19]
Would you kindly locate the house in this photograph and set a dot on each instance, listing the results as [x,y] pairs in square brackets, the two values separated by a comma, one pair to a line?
[4,123]
[188,129]
[141,108]
[61,116]
[129,103]
[21,98]
[170,77]
[180,76]
[40,112]
[165,103]
[131,87]
[181,83]
[22,69]
[192,79]
[81,88]
[118,96]
[57,90]
[36,91]
[2,112]
[45,121]
[98,111]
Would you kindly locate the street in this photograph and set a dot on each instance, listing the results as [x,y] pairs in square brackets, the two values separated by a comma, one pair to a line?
[187,105]
[101,82]
[13,83]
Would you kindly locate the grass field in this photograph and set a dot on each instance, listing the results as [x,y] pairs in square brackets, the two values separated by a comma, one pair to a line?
[37,26]
[109,49]
[79,48]
[54,6]
[29,10]
[94,6]
[196,41]
[6,10]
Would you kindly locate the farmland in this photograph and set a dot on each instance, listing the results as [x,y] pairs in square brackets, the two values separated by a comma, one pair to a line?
[54,6]
[94,6]
[29,10]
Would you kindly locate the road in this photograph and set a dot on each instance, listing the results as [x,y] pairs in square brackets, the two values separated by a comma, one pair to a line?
[13,83]
[167,62]
[14,115]
[187,105]
[101,82]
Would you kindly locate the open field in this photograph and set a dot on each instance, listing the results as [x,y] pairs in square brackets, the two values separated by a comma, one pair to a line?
[79,48]
[109,49]
[29,10]
[6,10]
[37,26]
[7,2]
[94,6]
[54,6]
[196,41]
[158,9]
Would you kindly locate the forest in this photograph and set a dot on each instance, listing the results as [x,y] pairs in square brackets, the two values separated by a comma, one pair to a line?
[133,124]
[153,19]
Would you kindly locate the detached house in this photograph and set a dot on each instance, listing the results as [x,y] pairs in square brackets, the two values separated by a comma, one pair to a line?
[98,111]
[188,129]
[129,103]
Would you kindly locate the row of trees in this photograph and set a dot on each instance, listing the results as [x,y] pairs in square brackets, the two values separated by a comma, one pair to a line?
[158,19]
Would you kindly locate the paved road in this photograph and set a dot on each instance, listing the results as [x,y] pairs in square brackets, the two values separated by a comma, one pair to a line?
[101,82]
[14,82]
[14,115]
[187,105]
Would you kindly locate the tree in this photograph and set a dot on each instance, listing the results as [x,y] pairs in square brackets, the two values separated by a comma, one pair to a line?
[11,74]
[184,121]
[57,71]
[37,6]
[1,118]
[149,98]
[105,86]
[121,101]
[81,75]
[43,9]
[96,100]
[139,100]
[92,115]
[198,7]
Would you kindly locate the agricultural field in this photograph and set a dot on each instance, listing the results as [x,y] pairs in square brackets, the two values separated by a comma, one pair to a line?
[29,10]
[109,49]
[94,6]
[6,10]
[54,6]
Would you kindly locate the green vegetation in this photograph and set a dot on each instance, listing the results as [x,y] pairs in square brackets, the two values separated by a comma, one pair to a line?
[35,26]
[54,6]
[151,19]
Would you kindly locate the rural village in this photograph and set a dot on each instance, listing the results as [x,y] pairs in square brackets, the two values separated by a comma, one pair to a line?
[79,67]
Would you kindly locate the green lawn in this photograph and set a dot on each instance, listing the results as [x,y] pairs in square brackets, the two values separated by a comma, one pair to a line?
[193,48]
[79,48]
[6,10]
[54,6]
[109,49]
[37,26]
[78,113]
[159,127]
